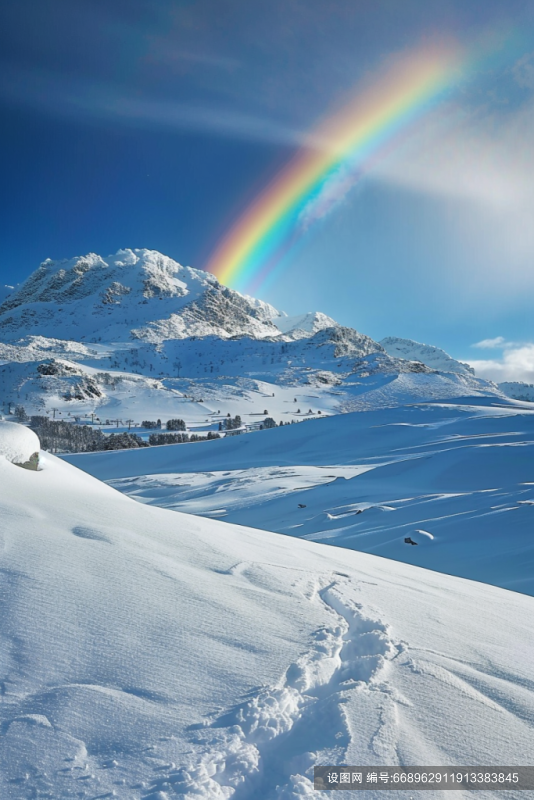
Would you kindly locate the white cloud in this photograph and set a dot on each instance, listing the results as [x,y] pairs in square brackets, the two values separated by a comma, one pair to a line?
[480,163]
[487,344]
[516,364]
[484,154]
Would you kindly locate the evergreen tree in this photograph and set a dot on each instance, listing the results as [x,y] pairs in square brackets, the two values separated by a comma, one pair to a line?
[232,423]
[176,425]
[20,414]
[168,438]
[66,437]
[120,441]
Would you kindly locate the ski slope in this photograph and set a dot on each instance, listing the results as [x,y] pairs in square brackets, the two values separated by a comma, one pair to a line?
[151,654]
[460,471]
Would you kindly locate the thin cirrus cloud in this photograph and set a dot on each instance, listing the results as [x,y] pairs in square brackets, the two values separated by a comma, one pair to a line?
[74,97]
[186,116]
[454,152]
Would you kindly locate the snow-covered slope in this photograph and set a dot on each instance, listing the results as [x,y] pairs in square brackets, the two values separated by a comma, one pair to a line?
[203,380]
[457,478]
[147,654]
[432,356]
[518,390]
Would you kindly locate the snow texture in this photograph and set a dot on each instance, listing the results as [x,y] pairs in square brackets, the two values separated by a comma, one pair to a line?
[428,354]
[149,654]
[461,471]
[134,294]
[518,390]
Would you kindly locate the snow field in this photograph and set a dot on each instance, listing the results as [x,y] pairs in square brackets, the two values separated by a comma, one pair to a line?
[151,654]
[454,478]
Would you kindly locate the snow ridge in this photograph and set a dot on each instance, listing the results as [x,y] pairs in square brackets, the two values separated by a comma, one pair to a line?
[303,325]
[432,356]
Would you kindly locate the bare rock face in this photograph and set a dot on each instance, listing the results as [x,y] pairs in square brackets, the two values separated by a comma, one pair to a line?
[19,445]
[347,342]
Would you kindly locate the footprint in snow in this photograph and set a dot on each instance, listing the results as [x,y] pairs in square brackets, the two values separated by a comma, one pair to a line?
[266,746]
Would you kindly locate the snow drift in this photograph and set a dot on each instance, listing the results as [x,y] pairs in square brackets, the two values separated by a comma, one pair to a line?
[19,445]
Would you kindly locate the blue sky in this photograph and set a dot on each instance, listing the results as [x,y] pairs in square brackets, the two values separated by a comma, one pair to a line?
[128,123]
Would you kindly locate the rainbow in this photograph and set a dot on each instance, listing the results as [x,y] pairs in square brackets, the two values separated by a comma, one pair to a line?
[338,152]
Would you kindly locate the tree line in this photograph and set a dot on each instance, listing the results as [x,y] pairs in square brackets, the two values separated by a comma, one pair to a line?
[59,436]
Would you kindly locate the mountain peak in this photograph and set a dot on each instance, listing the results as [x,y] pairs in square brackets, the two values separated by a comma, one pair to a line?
[144,272]
[133,294]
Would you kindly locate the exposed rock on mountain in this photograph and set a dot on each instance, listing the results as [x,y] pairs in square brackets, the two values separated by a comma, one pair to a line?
[141,336]
[347,341]
[135,294]
[432,356]
[303,325]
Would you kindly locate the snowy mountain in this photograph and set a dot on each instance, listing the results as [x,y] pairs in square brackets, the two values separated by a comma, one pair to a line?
[518,390]
[432,356]
[303,325]
[151,655]
[137,336]
[135,294]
